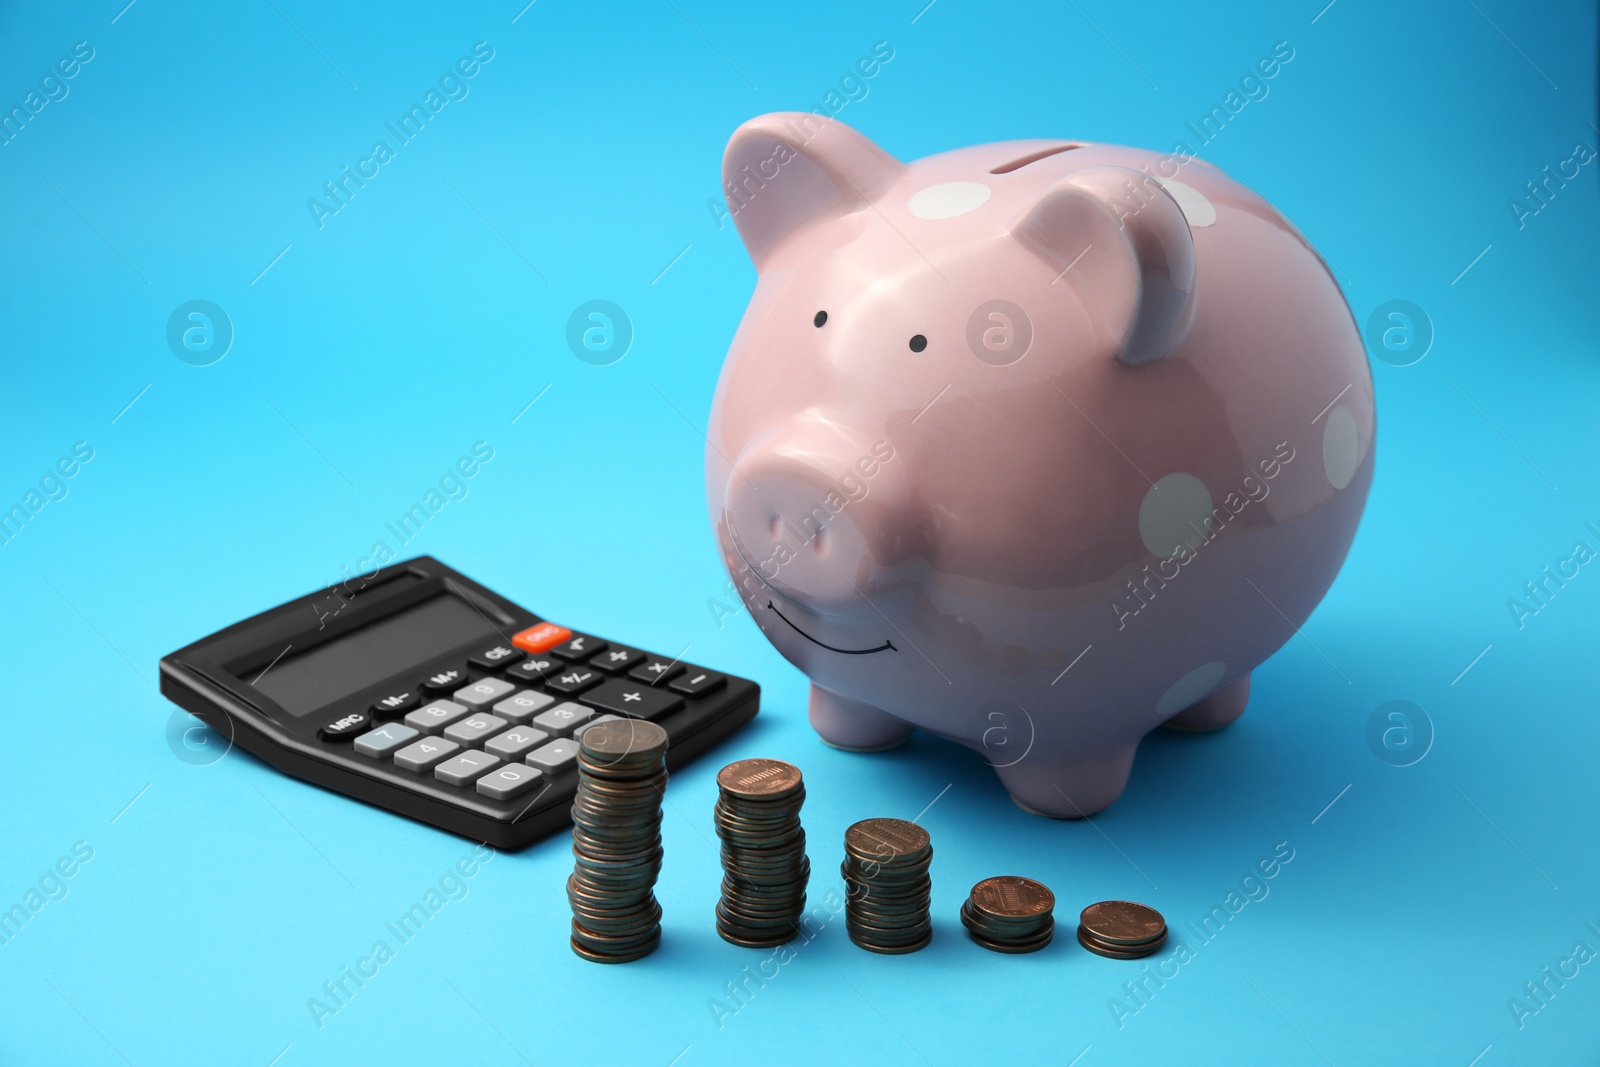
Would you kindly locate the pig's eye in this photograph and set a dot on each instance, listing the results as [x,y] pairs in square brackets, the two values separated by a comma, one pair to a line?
[822,317]
[918,343]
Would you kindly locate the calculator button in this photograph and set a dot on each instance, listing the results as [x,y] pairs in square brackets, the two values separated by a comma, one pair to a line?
[474,728]
[555,757]
[520,707]
[515,741]
[384,740]
[563,718]
[432,718]
[534,669]
[445,681]
[422,755]
[344,729]
[582,646]
[395,704]
[508,782]
[696,681]
[655,671]
[465,768]
[495,657]
[617,659]
[574,680]
[483,692]
[632,698]
[541,638]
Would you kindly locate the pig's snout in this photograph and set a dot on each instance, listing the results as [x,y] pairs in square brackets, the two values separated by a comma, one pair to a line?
[813,514]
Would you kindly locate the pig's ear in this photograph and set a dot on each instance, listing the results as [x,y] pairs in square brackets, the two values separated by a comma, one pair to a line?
[1131,252]
[788,168]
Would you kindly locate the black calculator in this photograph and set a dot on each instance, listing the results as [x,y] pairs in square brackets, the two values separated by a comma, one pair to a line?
[420,691]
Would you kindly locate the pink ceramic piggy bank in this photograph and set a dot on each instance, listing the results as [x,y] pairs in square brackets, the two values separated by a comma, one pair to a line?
[1036,446]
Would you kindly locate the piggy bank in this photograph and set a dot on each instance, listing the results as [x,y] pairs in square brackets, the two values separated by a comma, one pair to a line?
[1035,446]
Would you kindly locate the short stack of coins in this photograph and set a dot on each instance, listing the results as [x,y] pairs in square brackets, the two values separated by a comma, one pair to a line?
[1122,930]
[1009,913]
[888,888]
[616,840]
[764,864]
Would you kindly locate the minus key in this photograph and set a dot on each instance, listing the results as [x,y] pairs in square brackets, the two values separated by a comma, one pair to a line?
[695,681]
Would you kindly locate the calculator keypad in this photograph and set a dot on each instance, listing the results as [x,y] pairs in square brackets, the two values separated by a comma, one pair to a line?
[491,732]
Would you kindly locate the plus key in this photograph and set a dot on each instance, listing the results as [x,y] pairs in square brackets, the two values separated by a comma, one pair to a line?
[621,697]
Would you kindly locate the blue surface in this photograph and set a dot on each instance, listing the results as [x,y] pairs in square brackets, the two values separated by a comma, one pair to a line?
[431,309]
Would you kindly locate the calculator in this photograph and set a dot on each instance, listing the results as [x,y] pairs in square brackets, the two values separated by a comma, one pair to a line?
[420,691]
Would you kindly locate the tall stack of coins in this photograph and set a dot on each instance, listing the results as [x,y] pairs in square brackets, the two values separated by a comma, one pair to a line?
[1009,913]
[886,874]
[1121,930]
[764,864]
[616,841]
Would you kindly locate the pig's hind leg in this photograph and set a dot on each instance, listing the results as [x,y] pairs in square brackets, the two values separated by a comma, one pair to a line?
[852,725]
[1215,711]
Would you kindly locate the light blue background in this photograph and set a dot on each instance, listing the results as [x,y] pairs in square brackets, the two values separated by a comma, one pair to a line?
[431,310]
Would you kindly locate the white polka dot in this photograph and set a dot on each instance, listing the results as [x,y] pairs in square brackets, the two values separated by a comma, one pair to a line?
[1195,207]
[1341,447]
[1193,686]
[948,199]
[1174,513]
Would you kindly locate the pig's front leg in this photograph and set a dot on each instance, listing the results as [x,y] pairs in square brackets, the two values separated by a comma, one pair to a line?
[1068,788]
[1215,711]
[852,725]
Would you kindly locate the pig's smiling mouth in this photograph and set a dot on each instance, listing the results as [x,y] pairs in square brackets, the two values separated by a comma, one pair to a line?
[886,646]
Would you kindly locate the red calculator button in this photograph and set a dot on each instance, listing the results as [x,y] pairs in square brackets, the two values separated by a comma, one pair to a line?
[541,638]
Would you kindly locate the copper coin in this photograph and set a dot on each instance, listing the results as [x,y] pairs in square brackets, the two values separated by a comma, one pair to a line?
[621,738]
[884,839]
[1123,922]
[759,779]
[1011,896]
[1120,952]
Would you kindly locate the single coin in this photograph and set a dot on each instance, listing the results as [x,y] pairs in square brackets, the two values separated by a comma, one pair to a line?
[759,779]
[1123,922]
[882,840]
[1010,896]
[623,737]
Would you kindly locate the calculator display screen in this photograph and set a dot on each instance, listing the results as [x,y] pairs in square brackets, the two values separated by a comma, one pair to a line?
[303,682]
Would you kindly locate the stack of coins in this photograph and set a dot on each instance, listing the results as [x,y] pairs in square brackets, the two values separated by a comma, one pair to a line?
[1009,913]
[1121,930]
[764,864]
[616,841]
[886,875]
